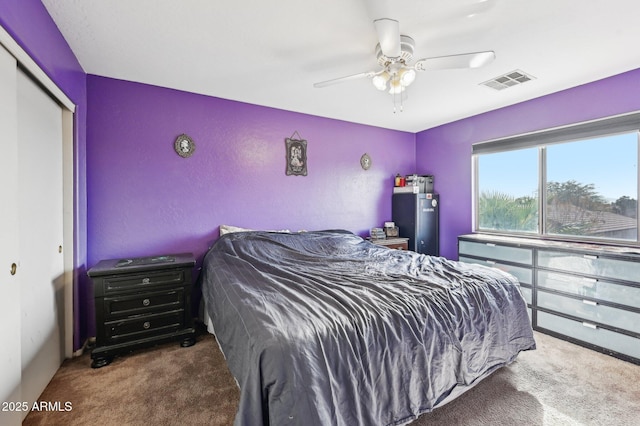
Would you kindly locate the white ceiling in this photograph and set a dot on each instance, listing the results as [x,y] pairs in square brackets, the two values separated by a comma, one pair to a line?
[271,52]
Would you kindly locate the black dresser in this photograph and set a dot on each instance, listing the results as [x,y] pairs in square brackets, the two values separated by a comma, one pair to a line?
[141,302]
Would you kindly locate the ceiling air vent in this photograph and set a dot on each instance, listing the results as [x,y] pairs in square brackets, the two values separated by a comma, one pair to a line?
[512,78]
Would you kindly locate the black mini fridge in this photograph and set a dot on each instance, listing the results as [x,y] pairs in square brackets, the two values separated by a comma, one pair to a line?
[417,218]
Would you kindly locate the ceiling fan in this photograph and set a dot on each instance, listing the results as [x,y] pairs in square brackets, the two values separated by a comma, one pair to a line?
[394,53]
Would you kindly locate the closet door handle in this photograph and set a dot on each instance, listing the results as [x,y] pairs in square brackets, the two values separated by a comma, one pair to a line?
[14,268]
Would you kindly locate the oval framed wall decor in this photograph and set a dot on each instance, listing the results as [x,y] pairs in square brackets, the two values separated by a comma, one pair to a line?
[184,146]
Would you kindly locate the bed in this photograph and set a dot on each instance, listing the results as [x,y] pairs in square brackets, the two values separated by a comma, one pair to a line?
[326,328]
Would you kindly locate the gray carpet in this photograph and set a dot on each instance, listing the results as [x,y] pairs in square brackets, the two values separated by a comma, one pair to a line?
[558,384]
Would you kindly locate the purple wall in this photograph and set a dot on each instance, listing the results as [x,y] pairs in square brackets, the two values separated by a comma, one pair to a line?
[445,151]
[144,199]
[30,25]
[135,196]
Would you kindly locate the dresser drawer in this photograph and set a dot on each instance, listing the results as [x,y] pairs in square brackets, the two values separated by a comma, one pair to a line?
[143,303]
[590,265]
[621,343]
[524,275]
[590,312]
[496,252]
[143,326]
[136,282]
[590,287]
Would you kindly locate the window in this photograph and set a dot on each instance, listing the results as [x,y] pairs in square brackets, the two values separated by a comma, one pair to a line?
[508,196]
[592,186]
[579,182]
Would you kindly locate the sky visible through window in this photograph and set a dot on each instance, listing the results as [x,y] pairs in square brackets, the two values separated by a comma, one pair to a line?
[513,173]
[609,163]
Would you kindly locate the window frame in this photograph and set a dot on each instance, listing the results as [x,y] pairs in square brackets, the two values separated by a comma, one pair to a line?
[625,123]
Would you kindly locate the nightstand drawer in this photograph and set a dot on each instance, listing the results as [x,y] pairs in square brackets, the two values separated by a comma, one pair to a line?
[397,246]
[144,326]
[135,282]
[395,243]
[143,303]
[590,311]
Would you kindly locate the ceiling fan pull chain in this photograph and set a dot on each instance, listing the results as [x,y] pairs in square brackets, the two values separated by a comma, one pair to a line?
[395,102]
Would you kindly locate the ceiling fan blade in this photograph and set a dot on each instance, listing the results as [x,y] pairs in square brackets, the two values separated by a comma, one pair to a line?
[465,60]
[389,36]
[343,79]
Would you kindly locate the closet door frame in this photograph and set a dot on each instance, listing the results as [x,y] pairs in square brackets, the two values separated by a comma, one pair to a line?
[11,350]
[68,117]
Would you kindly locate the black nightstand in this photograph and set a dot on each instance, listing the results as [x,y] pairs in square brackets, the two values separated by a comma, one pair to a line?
[141,302]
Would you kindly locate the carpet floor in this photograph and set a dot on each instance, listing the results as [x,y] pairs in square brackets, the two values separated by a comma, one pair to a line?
[557,384]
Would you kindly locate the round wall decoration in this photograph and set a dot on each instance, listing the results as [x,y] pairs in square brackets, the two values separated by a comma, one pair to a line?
[184,146]
[365,161]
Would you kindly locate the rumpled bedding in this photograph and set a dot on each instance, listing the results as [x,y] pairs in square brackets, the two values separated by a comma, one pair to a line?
[326,328]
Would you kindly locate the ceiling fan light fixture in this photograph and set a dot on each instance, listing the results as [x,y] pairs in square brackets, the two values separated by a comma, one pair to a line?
[394,53]
[406,76]
[380,81]
[395,87]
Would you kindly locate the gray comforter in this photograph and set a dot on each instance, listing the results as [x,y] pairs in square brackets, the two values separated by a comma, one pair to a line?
[325,328]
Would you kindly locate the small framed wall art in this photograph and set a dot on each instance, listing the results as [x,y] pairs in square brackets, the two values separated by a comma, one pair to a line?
[296,157]
[184,146]
[365,161]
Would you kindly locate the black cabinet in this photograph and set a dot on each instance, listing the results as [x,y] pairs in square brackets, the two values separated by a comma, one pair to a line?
[141,302]
[417,218]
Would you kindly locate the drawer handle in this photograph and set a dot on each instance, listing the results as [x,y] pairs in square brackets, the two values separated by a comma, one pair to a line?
[491,245]
[589,302]
[589,325]
[590,256]
[146,325]
[146,281]
[490,262]
[146,302]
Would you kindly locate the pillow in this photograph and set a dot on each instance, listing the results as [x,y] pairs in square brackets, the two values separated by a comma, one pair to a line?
[228,229]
